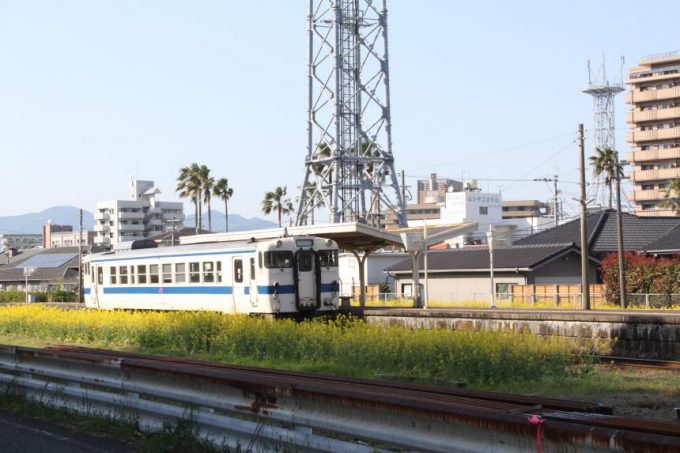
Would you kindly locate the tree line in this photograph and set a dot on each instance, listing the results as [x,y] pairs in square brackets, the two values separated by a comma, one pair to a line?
[196,183]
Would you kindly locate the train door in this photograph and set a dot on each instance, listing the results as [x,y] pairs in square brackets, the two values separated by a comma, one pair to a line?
[238,286]
[253,282]
[97,284]
[307,279]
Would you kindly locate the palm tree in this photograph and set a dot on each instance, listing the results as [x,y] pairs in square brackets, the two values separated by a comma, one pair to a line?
[672,196]
[315,198]
[276,201]
[606,161]
[207,184]
[224,193]
[189,186]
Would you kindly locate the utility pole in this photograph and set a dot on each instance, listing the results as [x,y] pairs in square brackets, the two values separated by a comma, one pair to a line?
[619,235]
[80,259]
[585,287]
[557,220]
[556,192]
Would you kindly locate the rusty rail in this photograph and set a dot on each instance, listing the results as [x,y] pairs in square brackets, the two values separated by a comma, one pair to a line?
[267,409]
[669,365]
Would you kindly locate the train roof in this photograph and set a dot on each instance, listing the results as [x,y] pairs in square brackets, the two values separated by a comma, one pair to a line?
[184,250]
[177,250]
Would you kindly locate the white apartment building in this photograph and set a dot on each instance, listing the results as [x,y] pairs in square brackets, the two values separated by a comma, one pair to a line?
[139,217]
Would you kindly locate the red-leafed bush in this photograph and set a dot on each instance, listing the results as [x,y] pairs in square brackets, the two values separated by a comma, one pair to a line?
[644,275]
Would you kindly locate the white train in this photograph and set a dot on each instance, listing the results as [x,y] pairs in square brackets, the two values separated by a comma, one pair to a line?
[290,275]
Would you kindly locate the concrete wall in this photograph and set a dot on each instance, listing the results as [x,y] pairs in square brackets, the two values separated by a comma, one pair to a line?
[651,335]
[463,286]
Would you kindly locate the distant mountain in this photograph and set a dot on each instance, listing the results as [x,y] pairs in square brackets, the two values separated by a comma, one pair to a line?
[33,223]
[236,222]
[68,215]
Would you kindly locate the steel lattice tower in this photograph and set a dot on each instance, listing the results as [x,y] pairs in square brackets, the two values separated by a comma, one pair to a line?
[603,108]
[349,162]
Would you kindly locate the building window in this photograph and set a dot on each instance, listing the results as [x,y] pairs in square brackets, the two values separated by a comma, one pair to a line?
[648,187]
[483,210]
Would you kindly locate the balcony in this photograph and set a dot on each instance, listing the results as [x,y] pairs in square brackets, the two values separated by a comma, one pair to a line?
[153,222]
[659,212]
[646,195]
[652,115]
[653,154]
[132,226]
[131,215]
[169,216]
[101,215]
[657,134]
[654,175]
[652,95]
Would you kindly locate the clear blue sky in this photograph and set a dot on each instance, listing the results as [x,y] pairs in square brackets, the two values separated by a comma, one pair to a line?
[93,91]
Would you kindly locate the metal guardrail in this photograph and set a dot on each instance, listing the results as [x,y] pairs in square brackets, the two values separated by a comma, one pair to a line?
[265,410]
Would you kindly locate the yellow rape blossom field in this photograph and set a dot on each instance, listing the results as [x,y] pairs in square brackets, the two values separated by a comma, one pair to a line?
[343,346]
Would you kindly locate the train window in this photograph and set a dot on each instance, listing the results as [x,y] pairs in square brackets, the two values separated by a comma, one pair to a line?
[328,258]
[252,268]
[100,275]
[238,271]
[208,272]
[132,275]
[180,276]
[141,274]
[278,259]
[112,275]
[153,273]
[259,260]
[123,275]
[219,271]
[305,262]
[194,273]
[167,273]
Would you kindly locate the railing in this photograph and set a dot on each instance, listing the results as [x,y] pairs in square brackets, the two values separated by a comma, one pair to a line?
[255,410]
[526,300]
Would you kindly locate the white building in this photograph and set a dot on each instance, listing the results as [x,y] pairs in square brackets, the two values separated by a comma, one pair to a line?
[139,217]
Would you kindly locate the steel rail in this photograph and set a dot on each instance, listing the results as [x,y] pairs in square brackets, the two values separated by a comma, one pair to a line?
[267,409]
[670,365]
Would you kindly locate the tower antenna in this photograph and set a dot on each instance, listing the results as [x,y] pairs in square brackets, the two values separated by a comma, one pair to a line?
[349,166]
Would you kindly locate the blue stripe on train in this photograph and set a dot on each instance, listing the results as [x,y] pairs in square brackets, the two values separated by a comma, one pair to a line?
[170,290]
[228,290]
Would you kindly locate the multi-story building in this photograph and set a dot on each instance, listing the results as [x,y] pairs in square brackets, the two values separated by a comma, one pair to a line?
[433,190]
[654,121]
[19,241]
[142,216]
[513,209]
[64,236]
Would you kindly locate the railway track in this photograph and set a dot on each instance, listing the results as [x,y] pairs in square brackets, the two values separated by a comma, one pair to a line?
[670,365]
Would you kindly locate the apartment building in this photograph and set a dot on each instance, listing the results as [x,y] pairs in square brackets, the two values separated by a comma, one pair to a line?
[654,137]
[139,217]
[19,241]
[55,236]
[433,190]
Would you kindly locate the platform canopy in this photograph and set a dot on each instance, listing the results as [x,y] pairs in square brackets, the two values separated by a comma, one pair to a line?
[349,236]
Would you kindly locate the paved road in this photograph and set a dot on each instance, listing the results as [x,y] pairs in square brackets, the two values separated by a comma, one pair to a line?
[19,434]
